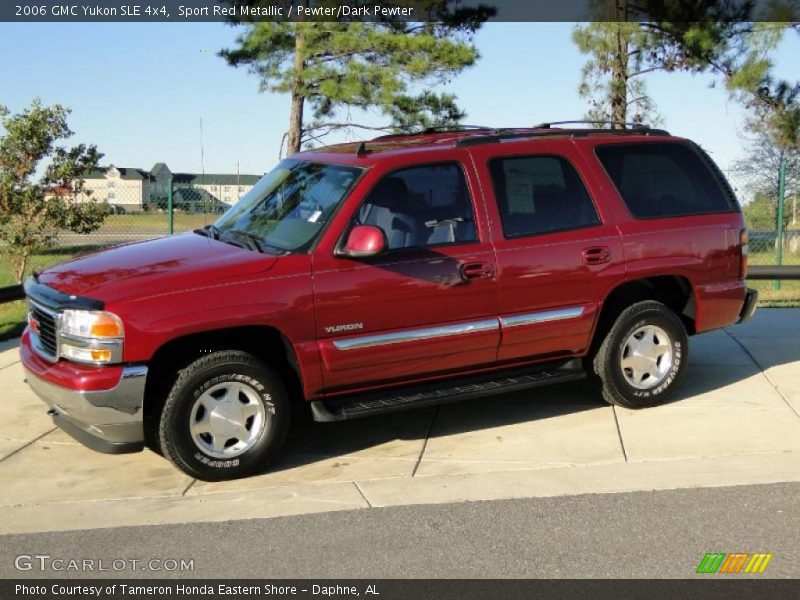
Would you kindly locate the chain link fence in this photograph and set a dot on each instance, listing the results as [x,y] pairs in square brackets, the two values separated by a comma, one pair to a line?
[767,198]
[138,203]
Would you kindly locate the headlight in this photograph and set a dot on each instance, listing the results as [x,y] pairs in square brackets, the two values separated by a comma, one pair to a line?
[95,324]
[91,336]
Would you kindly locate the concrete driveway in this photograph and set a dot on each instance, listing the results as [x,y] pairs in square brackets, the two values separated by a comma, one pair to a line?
[736,421]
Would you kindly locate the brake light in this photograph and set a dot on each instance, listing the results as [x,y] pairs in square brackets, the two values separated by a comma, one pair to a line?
[744,249]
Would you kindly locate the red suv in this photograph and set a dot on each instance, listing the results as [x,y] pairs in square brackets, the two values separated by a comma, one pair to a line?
[402,272]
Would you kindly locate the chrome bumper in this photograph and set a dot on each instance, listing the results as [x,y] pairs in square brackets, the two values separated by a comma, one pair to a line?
[108,421]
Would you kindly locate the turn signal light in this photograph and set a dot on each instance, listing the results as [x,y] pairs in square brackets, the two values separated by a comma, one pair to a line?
[85,354]
[106,325]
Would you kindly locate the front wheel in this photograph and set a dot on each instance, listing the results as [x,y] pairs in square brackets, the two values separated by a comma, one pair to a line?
[643,358]
[225,417]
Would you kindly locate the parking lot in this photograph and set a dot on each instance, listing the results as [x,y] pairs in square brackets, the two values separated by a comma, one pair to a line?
[735,421]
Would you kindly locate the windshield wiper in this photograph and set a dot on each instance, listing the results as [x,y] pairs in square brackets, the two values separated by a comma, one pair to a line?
[255,242]
[209,231]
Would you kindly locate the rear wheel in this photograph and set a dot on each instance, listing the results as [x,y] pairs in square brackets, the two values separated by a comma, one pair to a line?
[225,417]
[643,358]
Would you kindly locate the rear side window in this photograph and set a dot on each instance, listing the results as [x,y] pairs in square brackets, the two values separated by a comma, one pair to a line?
[540,194]
[663,180]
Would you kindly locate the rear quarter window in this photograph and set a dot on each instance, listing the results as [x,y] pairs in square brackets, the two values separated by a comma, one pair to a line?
[664,180]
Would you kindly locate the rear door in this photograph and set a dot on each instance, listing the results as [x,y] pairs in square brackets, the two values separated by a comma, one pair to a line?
[558,250]
[426,307]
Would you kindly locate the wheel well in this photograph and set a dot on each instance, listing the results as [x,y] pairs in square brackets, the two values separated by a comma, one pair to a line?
[265,343]
[671,290]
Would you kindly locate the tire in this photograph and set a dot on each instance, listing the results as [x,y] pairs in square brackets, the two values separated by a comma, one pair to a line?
[643,358]
[225,417]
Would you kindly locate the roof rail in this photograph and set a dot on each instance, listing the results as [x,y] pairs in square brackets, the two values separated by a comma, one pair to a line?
[437,129]
[457,127]
[629,124]
[545,132]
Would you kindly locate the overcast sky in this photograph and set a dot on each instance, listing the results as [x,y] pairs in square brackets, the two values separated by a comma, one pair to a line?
[138,91]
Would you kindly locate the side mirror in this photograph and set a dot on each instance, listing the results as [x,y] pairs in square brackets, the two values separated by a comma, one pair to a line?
[363,241]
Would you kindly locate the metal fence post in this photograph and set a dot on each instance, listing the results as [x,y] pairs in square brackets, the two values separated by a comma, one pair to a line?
[170,216]
[779,239]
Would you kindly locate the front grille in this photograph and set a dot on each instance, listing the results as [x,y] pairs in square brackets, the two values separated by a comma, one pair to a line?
[47,330]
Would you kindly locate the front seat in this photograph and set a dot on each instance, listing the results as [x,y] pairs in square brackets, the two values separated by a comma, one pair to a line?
[388,209]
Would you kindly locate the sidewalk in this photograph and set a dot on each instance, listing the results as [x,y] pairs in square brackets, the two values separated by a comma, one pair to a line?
[736,421]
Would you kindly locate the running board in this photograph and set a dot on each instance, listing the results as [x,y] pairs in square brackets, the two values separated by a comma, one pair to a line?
[441,392]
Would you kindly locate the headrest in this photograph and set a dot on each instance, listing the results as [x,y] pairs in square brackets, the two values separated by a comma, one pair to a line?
[392,192]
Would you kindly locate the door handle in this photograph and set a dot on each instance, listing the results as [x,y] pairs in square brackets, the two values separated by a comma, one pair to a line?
[477,270]
[596,255]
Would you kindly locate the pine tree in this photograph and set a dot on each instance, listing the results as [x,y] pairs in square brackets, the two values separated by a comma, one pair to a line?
[631,39]
[388,66]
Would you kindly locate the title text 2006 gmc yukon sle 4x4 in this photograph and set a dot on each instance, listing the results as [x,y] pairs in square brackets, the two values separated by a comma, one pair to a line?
[397,273]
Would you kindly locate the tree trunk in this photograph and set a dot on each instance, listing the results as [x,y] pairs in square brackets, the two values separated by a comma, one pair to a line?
[295,135]
[19,267]
[619,73]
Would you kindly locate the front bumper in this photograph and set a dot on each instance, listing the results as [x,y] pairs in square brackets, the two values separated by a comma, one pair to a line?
[749,306]
[105,420]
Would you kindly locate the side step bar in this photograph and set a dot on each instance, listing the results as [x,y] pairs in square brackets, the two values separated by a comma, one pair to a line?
[441,392]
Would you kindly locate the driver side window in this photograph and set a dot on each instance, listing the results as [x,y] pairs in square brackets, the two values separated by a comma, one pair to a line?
[420,207]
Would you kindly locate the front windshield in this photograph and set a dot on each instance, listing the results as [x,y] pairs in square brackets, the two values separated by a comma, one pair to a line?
[289,206]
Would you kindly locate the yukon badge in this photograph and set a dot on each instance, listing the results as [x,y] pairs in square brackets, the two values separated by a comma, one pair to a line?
[345,327]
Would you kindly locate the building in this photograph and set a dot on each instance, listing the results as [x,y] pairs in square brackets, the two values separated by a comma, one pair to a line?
[136,190]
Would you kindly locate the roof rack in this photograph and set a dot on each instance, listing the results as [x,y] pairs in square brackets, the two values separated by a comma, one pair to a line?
[457,127]
[438,129]
[629,124]
[547,132]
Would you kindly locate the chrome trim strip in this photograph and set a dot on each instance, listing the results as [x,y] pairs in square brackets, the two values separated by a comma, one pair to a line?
[427,333]
[94,343]
[542,317]
[44,309]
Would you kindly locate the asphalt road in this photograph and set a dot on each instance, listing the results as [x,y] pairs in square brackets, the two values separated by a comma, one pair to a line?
[627,535]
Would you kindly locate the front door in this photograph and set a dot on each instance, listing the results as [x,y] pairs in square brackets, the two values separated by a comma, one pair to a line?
[428,306]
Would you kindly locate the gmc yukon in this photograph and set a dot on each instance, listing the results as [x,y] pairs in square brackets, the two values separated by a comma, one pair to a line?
[401,272]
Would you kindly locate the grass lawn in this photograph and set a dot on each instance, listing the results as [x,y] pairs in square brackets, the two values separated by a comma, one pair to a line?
[154,223]
[787,297]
